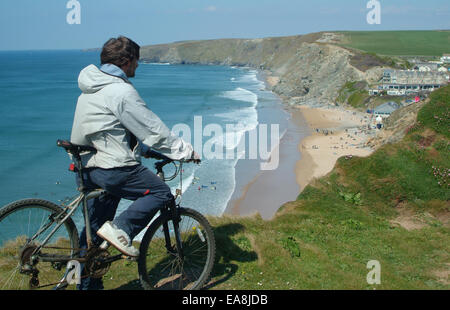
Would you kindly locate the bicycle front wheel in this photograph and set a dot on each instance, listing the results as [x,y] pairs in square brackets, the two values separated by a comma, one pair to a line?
[162,265]
[24,225]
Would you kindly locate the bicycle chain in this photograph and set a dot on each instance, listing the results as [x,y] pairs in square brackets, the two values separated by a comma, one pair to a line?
[60,282]
[87,259]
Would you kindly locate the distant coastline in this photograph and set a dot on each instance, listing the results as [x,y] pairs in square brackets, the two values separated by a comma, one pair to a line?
[280,62]
[308,73]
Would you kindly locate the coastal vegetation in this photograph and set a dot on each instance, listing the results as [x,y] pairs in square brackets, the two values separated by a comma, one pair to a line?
[354,93]
[302,65]
[366,60]
[392,206]
[399,43]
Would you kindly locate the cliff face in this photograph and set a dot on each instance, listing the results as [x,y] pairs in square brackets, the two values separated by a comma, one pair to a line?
[308,69]
[315,74]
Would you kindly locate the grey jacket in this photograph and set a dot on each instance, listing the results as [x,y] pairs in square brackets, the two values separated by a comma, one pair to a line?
[109,114]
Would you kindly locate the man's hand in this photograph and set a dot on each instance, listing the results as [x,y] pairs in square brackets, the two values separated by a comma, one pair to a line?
[146,155]
[195,158]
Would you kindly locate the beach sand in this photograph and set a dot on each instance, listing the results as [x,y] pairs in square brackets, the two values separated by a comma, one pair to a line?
[270,189]
[333,133]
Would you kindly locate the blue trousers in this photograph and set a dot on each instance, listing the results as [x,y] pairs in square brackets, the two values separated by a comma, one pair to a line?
[136,183]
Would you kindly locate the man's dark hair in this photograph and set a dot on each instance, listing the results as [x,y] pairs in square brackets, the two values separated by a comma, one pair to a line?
[119,51]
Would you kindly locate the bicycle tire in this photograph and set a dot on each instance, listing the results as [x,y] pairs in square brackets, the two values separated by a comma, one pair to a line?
[21,220]
[154,260]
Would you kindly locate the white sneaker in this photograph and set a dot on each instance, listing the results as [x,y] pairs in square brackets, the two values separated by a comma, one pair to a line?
[118,238]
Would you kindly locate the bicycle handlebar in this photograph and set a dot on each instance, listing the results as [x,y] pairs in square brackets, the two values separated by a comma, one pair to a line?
[166,160]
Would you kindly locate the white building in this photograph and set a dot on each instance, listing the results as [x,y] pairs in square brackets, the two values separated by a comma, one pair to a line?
[445,58]
[401,82]
[426,67]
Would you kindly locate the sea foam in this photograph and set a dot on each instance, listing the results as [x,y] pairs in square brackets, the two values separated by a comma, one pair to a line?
[240,120]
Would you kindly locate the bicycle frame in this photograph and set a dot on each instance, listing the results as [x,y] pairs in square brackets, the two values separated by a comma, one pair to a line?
[47,241]
[87,194]
[73,206]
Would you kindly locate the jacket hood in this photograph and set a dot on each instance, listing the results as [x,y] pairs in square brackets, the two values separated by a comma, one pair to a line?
[92,79]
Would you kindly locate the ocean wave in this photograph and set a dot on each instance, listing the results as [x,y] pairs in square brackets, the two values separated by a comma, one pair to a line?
[250,78]
[227,141]
[241,94]
[239,120]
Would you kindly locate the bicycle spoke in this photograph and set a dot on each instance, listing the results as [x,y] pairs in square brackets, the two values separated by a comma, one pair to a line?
[13,272]
[19,223]
[169,269]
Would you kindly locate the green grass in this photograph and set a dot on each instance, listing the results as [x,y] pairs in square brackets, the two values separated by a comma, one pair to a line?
[340,222]
[400,43]
[437,115]
[353,93]
[358,99]
[325,238]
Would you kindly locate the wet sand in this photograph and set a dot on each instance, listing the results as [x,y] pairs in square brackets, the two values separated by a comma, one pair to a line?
[303,156]
[270,189]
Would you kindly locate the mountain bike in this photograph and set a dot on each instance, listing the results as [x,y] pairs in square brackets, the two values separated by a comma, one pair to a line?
[39,241]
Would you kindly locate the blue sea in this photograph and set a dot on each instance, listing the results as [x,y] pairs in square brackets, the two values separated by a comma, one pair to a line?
[38,95]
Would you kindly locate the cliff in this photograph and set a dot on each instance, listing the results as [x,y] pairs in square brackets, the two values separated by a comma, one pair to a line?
[308,69]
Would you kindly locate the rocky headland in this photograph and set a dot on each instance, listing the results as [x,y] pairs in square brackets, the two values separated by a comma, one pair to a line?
[303,70]
[310,73]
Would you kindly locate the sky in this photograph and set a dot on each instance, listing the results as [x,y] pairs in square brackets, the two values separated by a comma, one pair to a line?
[42,24]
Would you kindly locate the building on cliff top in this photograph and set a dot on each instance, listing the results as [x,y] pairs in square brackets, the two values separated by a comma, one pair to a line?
[445,58]
[405,82]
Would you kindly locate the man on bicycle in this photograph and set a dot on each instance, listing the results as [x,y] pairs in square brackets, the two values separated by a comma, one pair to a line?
[112,117]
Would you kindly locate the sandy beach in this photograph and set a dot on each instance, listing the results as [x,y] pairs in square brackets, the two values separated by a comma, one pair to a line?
[270,189]
[333,133]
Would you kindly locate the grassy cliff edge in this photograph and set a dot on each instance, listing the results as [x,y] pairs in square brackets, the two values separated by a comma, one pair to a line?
[392,207]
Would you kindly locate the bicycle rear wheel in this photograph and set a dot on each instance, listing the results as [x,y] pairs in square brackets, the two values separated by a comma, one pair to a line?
[24,225]
[162,266]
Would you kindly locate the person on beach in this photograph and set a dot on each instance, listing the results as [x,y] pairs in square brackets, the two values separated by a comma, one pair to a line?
[112,117]
[379,121]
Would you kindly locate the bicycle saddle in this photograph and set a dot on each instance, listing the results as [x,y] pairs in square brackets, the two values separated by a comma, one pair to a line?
[75,149]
